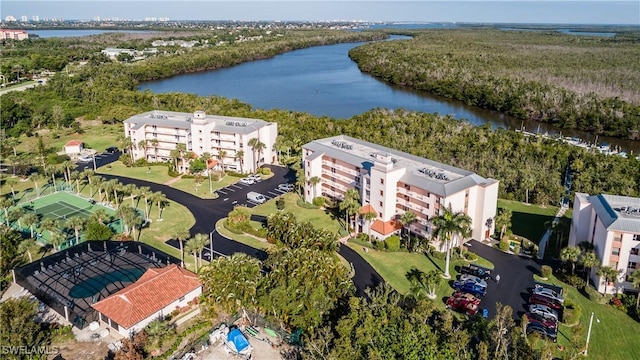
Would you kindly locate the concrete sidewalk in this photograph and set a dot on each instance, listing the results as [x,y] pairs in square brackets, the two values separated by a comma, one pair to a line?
[545,238]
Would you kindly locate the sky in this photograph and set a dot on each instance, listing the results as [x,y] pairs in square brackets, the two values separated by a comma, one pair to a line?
[500,11]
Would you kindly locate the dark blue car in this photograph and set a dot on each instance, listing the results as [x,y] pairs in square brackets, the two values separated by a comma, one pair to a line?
[471,288]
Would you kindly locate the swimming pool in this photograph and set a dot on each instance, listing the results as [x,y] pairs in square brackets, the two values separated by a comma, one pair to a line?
[94,285]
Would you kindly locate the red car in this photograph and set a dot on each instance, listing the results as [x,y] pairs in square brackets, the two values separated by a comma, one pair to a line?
[548,322]
[543,300]
[463,302]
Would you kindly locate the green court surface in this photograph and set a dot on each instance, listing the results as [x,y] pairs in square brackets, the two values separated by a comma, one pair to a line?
[95,285]
[62,206]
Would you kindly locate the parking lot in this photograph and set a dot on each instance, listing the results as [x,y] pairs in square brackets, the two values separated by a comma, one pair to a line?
[236,193]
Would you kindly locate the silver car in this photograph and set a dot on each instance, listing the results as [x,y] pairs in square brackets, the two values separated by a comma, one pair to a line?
[546,292]
[285,187]
[472,279]
[543,310]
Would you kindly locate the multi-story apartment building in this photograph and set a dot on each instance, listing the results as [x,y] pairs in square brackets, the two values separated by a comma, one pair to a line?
[392,182]
[155,134]
[612,224]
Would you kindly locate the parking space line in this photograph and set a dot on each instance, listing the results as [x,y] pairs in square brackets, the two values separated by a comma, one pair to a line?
[229,189]
[222,192]
[235,186]
[274,194]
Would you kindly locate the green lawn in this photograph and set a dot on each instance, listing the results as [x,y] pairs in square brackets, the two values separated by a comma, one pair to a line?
[324,219]
[529,220]
[245,239]
[95,136]
[615,337]
[156,174]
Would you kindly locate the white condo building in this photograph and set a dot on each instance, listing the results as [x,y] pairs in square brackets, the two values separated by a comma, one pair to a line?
[202,133]
[612,224]
[392,182]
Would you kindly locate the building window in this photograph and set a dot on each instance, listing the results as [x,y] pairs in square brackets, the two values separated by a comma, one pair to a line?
[199,131]
[379,214]
[368,193]
[635,251]
[427,206]
[380,203]
[614,264]
[404,208]
[617,237]
[333,170]
[407,186]
[381,193]
[632,265]
[615,251]
[333,188]
[636,237]
[382,181]
[181,299]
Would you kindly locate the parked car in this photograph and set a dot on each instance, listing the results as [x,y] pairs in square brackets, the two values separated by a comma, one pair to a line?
[476,270]
[85,159]
[546,321]
[463,302]
[111,150]
[550,293]
[470,288]
[472,279]
[543,331]
[543,310]
[256,197]
[285,187]
[255,177]
[247,181]
[543,300]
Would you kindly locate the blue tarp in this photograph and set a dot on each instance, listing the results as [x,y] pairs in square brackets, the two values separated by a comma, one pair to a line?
[237,338]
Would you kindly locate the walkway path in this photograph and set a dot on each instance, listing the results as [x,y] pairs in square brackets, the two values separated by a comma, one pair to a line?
[173,180]
[545,238]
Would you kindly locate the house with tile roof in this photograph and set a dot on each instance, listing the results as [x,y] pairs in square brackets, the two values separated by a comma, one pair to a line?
[611,223]
[73,147]
[155,295]
[392,182]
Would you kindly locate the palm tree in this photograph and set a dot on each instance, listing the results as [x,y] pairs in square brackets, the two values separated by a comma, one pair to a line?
[76,223]
[315,180]
[407,219]
[182,149]
[240,157]
[30,220]
[181,234]
[16,214]
[635,280]
[5,204]
[132,191]
[35,177]
[50,225]
[25,247]
[191,248]
[56,239]
[126,143]
[256,146]
[609,274]
[68,165]
[588,260]
[100,216]
[221,155]
[200,242]
[350,204]
[503,221]
[449,225]
[570,254]
[94,180]
[142,144]
[369,217]
[12,183]
[160,199]
[79,179]
[146,192]
[154,143]
[422,282]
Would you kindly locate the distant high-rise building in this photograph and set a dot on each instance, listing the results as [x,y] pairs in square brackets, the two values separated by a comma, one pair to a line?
[10,18]
[24,18]
[96,18]
[35,18]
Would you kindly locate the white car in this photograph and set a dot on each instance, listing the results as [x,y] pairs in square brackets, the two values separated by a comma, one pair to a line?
[85,159]
[543,310]
[247,181]
[255,177]
[465,278]
[285,187]
[546,292]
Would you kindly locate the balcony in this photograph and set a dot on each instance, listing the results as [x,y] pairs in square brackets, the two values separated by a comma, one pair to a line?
[328,175]
[340,167]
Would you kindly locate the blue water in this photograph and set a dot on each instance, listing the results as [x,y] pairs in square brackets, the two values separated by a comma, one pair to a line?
[96,284]
[78,32]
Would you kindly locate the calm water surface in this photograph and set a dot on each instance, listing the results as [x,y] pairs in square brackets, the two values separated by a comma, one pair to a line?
[323,81]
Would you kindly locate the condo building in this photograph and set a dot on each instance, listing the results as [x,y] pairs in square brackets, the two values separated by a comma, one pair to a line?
[392,182]
[612,224]
[155,134]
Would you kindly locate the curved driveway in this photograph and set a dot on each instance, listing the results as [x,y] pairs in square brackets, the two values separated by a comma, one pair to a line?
[207,212]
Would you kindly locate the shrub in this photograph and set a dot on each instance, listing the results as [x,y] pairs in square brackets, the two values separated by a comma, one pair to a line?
[438,255]
[57,159]
[594,295]
[319,201]
[265,171]
[545,271]
[378,245]
[234,173]
[571,314]
[280,203]
[172,173]
[504,245]
[215,177]
[516,249]
[392,243]
[617,303]
[576,281]
[305,205]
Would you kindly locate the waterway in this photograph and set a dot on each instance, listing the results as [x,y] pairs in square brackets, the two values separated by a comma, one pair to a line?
[323,81]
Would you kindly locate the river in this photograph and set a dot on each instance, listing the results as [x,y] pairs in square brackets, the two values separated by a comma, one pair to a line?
[323,81]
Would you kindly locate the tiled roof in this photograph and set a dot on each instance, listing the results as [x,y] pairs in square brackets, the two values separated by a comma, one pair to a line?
[211,163]
[386,227]
[73,143]
[156,288]
[367,209]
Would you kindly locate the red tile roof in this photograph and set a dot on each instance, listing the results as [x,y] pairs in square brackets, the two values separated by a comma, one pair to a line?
[367,209]
[211,163]
[386,227]
[156,288]
[73,143]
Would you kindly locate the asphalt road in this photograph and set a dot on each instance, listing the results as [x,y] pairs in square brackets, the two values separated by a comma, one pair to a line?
[207,212]
[516,279]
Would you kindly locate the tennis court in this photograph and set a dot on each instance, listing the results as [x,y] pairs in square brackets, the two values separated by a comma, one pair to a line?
[63,210]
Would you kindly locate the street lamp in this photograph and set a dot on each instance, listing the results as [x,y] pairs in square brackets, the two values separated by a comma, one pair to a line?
[586,347]
[211,244]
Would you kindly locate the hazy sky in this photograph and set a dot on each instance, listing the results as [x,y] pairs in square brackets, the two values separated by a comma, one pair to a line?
[507,11]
